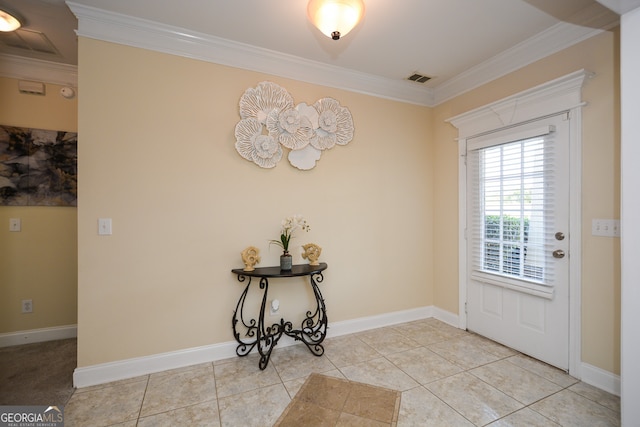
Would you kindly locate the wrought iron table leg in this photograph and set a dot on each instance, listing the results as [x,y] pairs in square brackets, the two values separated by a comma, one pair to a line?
[251,329]
[267,337]
[314,327]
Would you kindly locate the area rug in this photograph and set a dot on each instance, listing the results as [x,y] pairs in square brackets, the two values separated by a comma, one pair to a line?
[329,401]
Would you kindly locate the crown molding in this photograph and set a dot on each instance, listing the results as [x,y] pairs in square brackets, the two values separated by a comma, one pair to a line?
[17,67]
[113,27]
[122,29]
[553,40]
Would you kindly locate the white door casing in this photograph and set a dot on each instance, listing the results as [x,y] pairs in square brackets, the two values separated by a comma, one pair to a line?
[557,96]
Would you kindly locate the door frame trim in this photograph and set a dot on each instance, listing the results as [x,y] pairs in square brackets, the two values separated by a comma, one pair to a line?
[556,96]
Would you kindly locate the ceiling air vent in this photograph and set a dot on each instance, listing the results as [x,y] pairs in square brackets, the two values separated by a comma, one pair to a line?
[30,40]
[418,78]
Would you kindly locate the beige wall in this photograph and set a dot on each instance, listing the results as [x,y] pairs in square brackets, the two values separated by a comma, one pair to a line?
[40,262]
[600,187]
[157,156]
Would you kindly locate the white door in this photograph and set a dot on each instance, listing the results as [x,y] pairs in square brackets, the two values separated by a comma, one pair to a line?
[518,238]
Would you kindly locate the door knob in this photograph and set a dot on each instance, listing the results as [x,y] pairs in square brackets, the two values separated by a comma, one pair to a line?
[558,253]
[559,235]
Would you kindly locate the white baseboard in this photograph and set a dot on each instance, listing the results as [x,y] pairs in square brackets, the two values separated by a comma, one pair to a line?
[379,321]
[446,317]
[38,335]
[130,368]
[604,380]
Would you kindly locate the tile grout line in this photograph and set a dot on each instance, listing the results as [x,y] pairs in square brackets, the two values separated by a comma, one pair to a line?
[215,385]
[179,407]
[468,370]
[146,387]
[419,384]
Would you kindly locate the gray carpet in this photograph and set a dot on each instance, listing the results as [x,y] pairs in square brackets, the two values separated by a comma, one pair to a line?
[37,374]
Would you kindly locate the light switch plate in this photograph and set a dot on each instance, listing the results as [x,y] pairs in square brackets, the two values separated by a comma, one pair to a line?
[605,227]
[104,226]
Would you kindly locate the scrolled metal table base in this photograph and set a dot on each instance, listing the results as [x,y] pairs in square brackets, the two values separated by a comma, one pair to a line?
[251,333]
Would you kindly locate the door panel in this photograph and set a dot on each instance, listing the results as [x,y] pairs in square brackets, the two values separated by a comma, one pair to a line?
[517,291]
[531,313]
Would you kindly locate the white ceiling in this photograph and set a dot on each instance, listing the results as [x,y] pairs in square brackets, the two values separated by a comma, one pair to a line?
[443,39]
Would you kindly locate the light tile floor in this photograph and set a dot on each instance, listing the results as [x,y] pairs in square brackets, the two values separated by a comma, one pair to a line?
[448,377]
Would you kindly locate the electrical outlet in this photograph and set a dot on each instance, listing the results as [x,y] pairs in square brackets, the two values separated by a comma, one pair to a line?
[274,307]
[27,306]
[15,224]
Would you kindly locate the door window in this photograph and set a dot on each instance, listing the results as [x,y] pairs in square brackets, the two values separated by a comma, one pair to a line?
[512,192]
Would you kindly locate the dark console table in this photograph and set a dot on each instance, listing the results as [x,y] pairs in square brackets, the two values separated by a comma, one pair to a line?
[254,333]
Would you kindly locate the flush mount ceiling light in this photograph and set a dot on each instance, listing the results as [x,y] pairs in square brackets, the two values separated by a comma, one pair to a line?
[9,21]
[335,18]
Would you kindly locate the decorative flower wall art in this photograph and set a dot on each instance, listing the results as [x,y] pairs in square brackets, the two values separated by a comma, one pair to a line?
[269,121]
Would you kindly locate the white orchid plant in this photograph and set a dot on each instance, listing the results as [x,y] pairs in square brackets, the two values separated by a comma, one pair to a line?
[289,227]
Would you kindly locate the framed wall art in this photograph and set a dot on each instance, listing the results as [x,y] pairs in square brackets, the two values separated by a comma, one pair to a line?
[38,167]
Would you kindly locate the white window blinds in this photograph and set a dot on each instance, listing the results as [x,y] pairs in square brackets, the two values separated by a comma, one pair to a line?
[511,221]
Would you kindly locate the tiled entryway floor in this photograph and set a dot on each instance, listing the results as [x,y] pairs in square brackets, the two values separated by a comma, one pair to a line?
[448,377]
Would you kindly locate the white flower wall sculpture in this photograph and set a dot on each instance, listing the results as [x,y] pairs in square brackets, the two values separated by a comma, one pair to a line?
[269,120]
[335,125]
[290,128]
[259,102]
[261,149]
